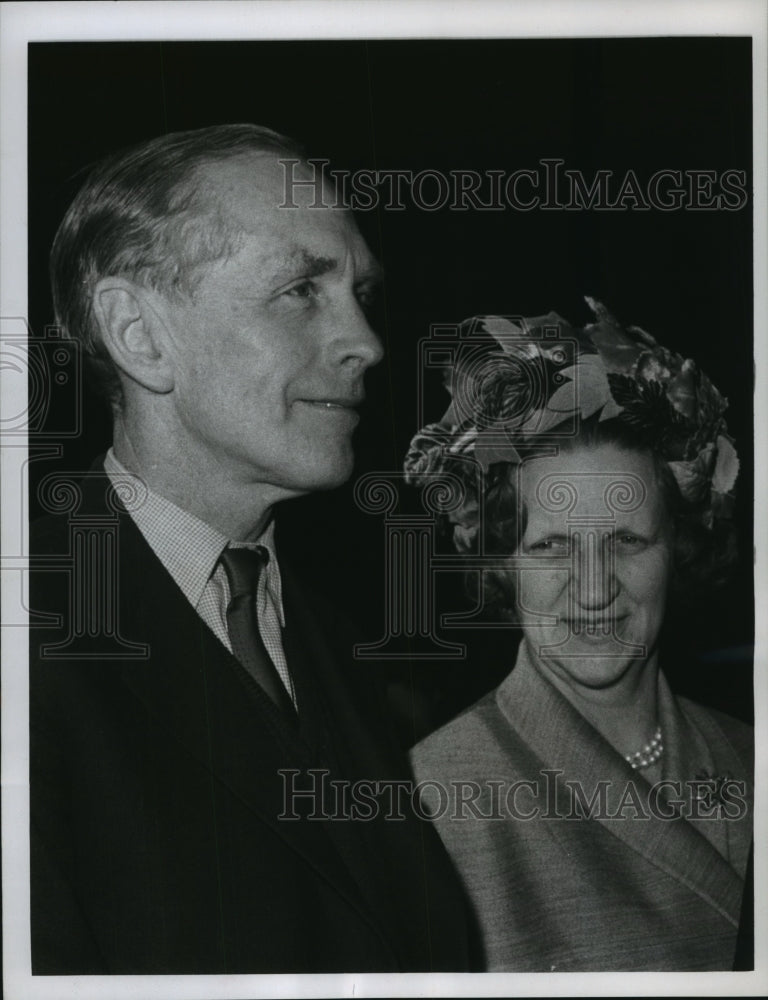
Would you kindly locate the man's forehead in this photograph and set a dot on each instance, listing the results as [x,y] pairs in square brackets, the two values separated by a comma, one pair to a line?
[252,185]
[248,194]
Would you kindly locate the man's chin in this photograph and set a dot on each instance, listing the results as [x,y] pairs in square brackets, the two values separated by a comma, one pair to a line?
[329,476]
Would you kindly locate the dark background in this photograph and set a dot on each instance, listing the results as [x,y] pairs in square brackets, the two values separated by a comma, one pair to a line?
[619,104]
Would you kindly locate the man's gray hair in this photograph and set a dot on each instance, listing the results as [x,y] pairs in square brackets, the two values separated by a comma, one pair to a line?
[140,215]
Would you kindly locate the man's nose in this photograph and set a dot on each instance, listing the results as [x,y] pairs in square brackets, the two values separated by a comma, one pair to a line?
[594,584]
[356,344]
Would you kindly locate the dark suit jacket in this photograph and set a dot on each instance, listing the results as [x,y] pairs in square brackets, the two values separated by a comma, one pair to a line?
[155,794]
[557,888]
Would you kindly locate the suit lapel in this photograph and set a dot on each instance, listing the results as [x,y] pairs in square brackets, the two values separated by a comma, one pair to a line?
[333,726]
[564,741]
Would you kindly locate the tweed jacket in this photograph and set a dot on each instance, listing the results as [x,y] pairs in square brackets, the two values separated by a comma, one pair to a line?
[615,878]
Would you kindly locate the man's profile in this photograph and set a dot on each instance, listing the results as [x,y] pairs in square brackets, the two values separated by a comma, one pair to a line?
[189,670]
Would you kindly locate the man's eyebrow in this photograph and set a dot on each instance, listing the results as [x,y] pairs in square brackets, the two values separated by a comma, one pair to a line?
[302,262]
[314,266]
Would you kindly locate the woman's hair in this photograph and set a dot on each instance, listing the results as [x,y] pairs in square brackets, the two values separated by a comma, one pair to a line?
[140,215]
[703,558]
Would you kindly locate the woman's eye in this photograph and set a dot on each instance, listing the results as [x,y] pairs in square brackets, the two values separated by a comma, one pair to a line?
[629,541]
[554,545]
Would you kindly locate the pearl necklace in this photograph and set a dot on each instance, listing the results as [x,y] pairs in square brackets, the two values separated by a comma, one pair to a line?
[650,753]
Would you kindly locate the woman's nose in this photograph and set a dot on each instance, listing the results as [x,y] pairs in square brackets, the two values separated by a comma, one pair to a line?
[594,584]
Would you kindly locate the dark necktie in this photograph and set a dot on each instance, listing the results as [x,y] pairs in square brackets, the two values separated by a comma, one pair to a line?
[243,567]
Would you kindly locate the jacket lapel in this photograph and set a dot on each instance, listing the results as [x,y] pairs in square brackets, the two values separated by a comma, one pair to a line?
[565,742]
[699,748]
[333,726]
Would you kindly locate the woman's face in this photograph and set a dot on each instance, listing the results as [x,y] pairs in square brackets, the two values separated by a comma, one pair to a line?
[595,558]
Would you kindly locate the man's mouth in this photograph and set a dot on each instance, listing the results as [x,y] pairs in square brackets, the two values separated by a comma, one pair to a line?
[334,403]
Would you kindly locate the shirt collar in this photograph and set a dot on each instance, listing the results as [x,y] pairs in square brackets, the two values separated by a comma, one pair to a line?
[188,547]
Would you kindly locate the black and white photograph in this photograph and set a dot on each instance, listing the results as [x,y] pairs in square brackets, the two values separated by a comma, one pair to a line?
[383,532]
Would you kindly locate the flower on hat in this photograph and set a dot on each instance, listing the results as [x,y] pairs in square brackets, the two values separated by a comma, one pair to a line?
[514,386]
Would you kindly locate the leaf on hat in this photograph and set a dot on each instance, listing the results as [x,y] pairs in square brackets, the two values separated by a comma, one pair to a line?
[726,466]
[542,421]
[500,326]
[594,391]
[491,448]
[563,400]
[610,410]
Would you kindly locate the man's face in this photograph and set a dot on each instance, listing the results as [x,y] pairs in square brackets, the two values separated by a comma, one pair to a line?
[269,352]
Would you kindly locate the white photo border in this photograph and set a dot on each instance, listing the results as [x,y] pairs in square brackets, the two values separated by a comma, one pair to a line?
[21,23]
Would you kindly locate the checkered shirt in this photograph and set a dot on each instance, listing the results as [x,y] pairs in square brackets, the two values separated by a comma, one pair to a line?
[190,550]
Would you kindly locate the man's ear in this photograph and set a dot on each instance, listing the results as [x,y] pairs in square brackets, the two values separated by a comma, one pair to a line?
[131,332]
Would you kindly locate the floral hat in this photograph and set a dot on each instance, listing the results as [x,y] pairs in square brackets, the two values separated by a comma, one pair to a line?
[516,384]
